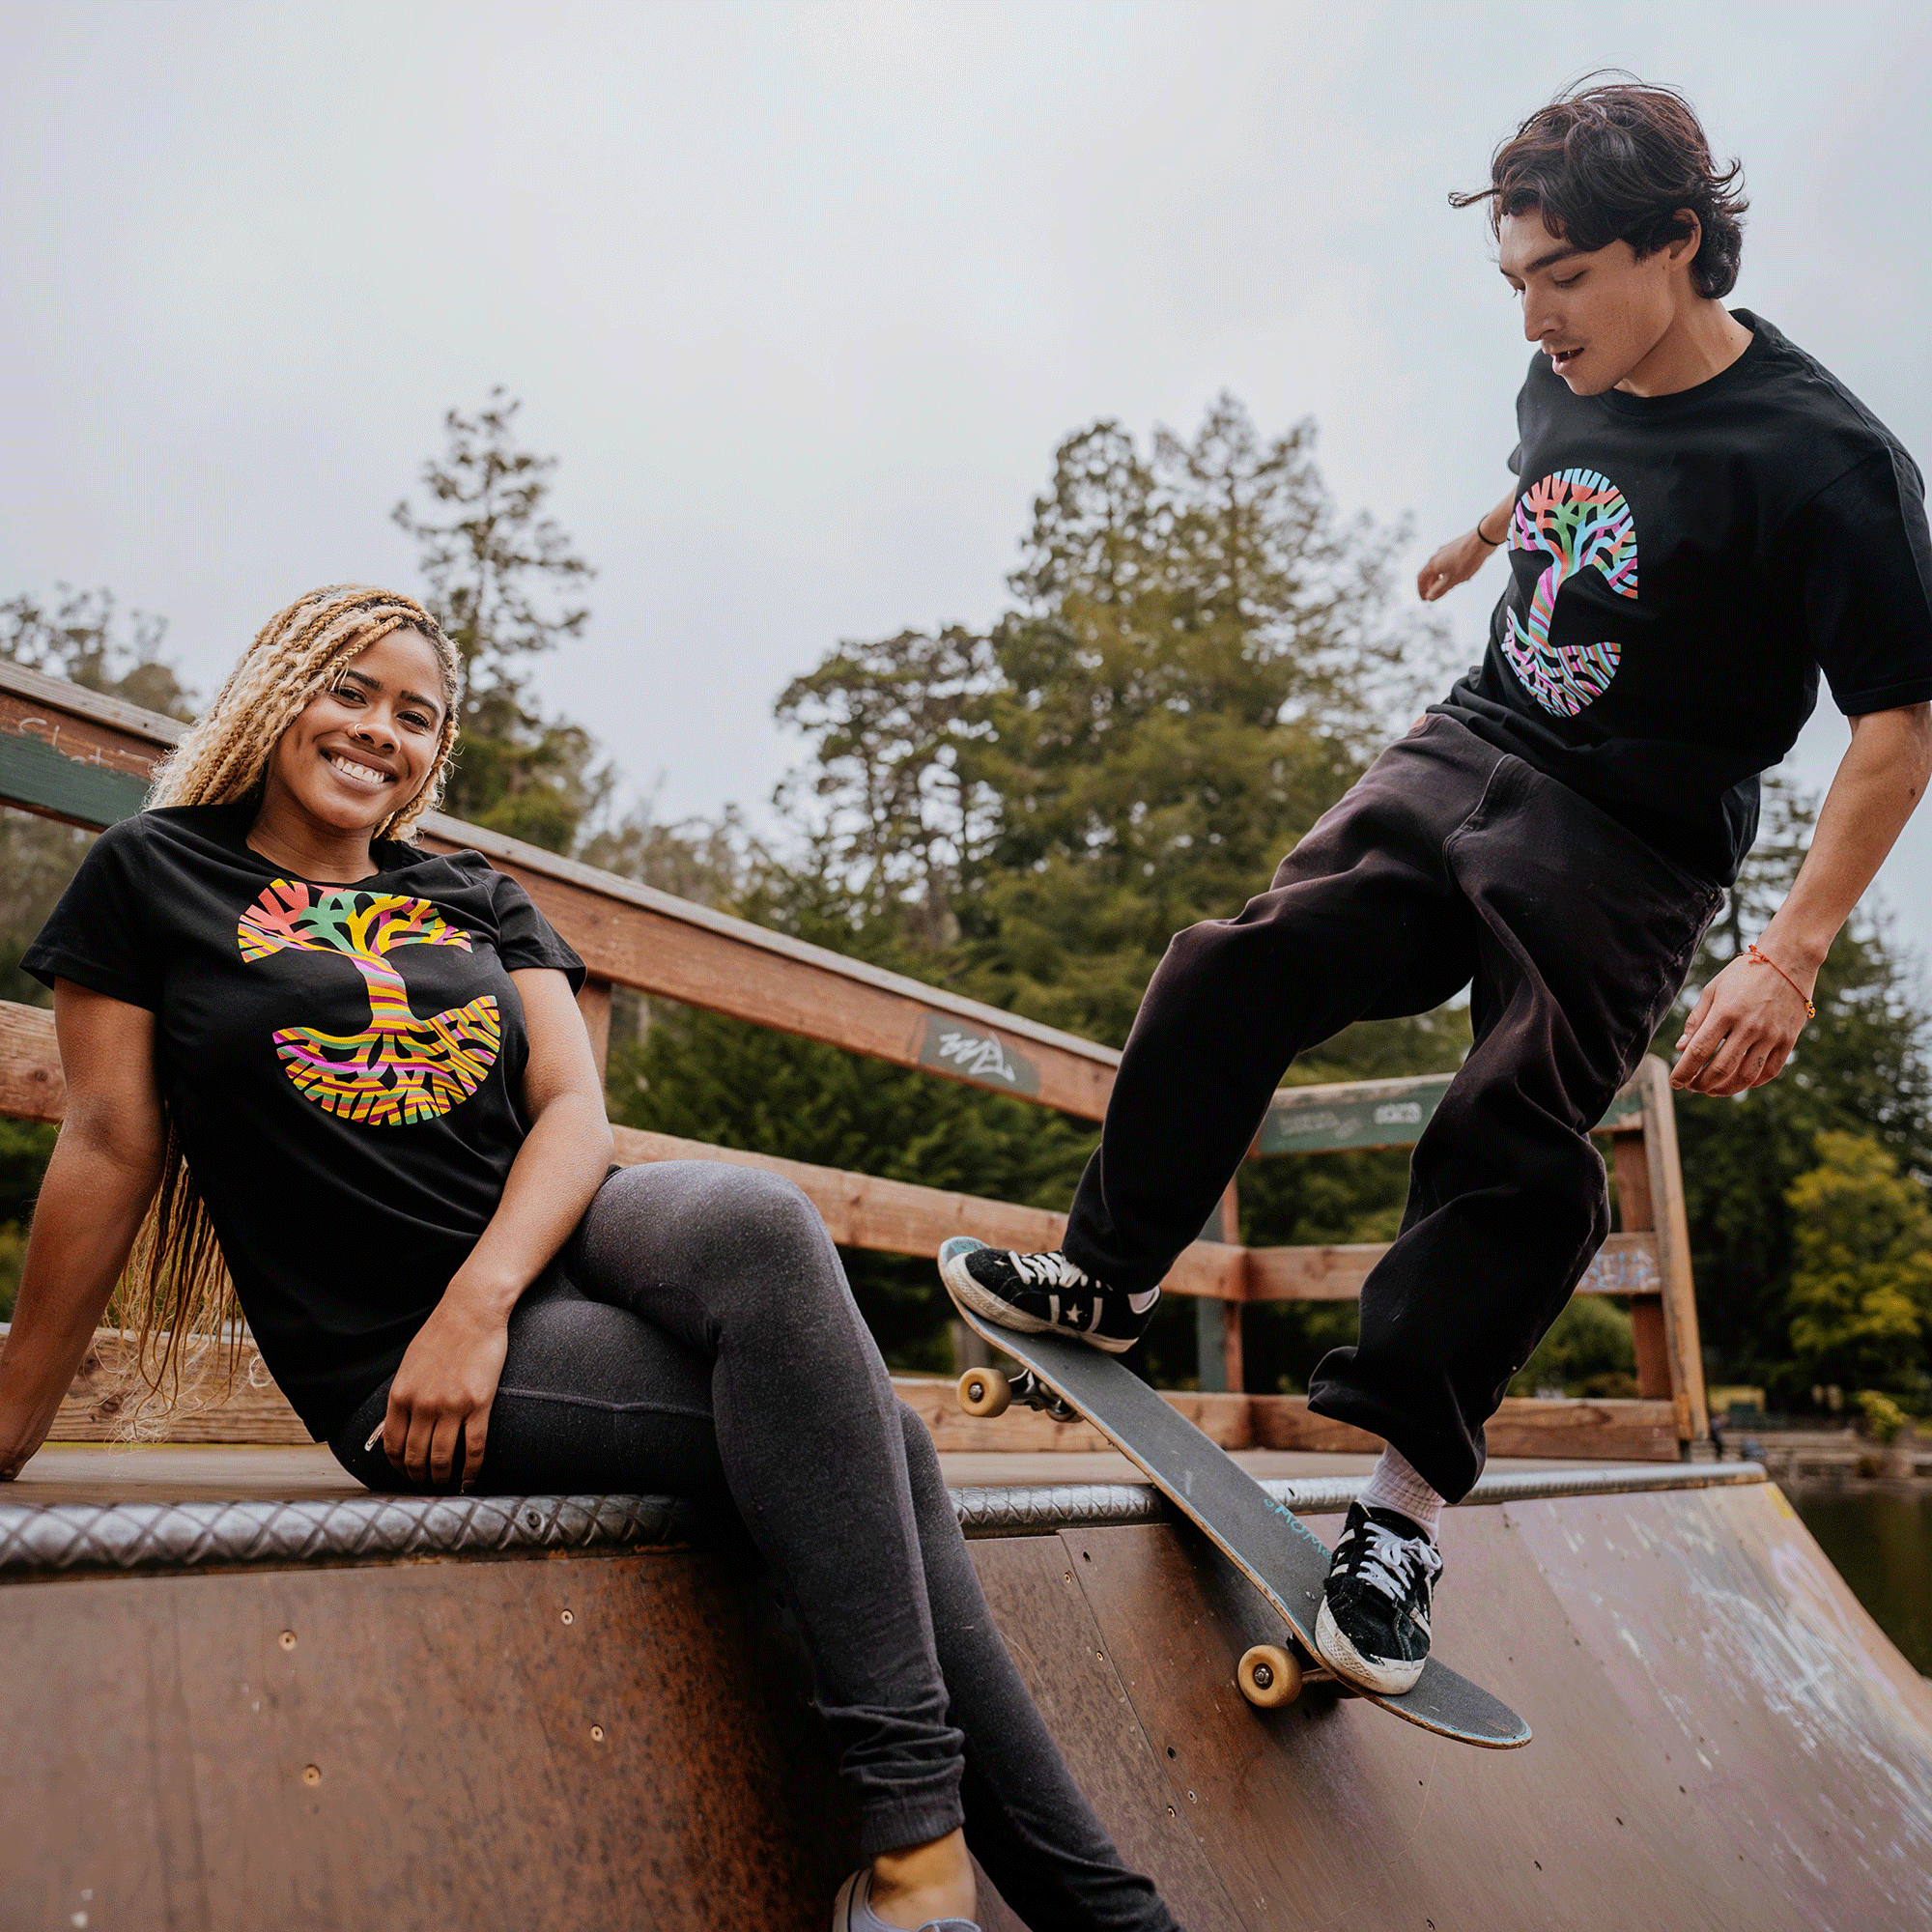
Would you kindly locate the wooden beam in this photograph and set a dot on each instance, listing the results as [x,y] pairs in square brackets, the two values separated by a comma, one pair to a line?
[1625,1265]
[1363,1114]
[900,1217]
[70,754]
[593,1001]
[1635,1215]
[32,1084]
[1634,1432]
[1673,1252]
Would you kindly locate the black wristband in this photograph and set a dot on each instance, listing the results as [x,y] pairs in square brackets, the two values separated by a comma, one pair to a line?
[1494,543]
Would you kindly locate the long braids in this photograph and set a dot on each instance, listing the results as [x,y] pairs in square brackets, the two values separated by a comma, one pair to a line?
[176,1295]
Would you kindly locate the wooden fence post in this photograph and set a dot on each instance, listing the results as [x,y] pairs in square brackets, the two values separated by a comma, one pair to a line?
[1673,1253]
[594,1004]
[1217,1325]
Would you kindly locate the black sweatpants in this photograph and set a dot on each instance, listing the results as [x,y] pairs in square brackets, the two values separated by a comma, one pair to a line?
[698,1338]
[1451,863]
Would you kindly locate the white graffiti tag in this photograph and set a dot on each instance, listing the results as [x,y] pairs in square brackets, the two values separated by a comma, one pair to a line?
[979,1057]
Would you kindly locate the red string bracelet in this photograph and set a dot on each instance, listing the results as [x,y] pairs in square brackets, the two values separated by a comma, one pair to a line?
[1765,959]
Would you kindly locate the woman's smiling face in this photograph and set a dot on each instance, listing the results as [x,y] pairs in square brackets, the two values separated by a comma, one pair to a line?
[362,750]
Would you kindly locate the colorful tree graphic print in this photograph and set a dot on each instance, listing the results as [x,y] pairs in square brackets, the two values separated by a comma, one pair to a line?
[399,1069]
[1581,522]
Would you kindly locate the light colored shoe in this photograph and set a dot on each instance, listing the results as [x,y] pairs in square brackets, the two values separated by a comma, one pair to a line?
[852,1910]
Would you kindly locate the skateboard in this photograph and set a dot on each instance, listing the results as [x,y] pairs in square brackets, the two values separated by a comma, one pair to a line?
[1260,1537]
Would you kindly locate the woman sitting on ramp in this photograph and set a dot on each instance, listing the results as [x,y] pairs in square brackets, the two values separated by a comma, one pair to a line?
[420,1222]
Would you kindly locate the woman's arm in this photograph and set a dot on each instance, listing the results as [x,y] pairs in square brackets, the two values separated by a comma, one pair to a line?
[1742,1029]
[439,1402]
[1460,557]
[106,1166]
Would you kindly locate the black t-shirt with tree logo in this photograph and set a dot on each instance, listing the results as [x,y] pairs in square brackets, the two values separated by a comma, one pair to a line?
[1681,568]
[342,1063]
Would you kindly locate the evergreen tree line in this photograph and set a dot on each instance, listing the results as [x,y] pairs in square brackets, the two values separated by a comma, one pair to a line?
[1199,656]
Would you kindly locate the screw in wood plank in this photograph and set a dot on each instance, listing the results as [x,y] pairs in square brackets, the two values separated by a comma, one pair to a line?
[287,1639]
[312,1774]
[596,1734]
[570,1616]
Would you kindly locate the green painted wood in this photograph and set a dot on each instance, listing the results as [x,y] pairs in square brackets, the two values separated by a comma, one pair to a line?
[1376,1114]
[36,775]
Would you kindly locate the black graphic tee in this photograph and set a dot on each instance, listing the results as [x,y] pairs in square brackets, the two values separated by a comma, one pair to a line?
[1681,568]
[342,1063]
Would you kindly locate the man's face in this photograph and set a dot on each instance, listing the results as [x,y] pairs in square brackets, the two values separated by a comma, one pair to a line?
[1596,315]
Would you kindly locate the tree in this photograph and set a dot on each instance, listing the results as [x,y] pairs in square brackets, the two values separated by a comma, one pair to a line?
[1200,657]
[501,575]
[1862,1274]
[1859,1067]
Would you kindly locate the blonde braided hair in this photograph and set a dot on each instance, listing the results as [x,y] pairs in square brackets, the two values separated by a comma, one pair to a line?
[176,1295]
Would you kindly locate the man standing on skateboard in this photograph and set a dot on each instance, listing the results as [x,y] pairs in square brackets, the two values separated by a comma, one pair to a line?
[1703,518]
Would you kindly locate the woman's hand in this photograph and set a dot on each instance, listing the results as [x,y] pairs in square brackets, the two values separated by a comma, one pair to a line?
[1741,1030]
[440,1401]
[1456,562]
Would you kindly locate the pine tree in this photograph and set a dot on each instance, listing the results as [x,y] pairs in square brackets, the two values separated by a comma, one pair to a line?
[496,565]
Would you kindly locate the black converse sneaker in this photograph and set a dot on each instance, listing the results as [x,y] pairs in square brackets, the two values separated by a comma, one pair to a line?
[1373,1627]
[1042,1295]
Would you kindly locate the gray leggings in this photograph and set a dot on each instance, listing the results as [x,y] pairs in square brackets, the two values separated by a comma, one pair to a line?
[699,1339]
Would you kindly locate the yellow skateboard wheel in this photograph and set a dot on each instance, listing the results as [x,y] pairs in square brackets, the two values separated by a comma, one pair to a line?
[984,1392]
[1269,1676]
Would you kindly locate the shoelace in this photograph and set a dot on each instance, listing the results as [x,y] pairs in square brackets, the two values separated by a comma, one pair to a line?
[1388,1562]
[1052,1270]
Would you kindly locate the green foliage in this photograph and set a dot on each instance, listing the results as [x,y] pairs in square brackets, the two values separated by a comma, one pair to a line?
[1883,1418]
[80,637]
[1861,1275]
[1198,666]
[494,560]
[12,1251]
[1588,1351]
[1859,1067]
[25,1148]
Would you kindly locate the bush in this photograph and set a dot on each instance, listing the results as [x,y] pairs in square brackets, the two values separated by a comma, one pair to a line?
[1883,1418]
[1590,1340]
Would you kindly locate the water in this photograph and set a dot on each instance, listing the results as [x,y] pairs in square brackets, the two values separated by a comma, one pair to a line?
[1881,1545]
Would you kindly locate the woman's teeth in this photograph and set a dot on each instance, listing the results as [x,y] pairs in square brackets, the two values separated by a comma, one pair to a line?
[367,773]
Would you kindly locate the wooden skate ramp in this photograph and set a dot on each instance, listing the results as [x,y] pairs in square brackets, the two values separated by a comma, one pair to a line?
[543,1713]
[1723,1737]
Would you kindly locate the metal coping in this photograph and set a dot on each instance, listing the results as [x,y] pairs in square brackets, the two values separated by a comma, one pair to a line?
[59,1539]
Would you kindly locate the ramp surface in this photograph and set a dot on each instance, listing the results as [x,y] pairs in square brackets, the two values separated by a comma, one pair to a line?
[420,1738]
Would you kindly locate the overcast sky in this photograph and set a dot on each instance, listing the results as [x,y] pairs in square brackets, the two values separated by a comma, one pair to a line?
[803,295]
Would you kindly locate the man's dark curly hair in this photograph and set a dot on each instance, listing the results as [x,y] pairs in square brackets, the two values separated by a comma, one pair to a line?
[1618,161]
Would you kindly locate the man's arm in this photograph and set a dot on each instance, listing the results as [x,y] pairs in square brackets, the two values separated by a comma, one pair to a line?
[1460,557]
[1742,1029]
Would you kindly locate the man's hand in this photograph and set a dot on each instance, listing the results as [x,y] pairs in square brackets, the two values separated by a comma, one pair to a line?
[1741,1031]
[441,1395]
[1456,562]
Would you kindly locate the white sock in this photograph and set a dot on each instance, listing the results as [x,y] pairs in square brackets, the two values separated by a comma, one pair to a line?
[1395,1484]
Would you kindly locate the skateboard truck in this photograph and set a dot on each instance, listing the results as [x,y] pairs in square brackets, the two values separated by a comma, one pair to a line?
[989,1392]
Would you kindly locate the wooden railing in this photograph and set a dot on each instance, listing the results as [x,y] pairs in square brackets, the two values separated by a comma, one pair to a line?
[71,754]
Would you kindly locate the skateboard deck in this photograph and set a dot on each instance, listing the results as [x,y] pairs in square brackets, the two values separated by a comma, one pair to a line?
[1262,1538]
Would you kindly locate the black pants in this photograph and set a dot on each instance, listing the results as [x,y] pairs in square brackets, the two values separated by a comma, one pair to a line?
[1451,863]
[700,1338]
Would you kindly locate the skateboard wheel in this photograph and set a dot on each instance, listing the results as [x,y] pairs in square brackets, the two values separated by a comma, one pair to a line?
[984,1392]
[1269,1676]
